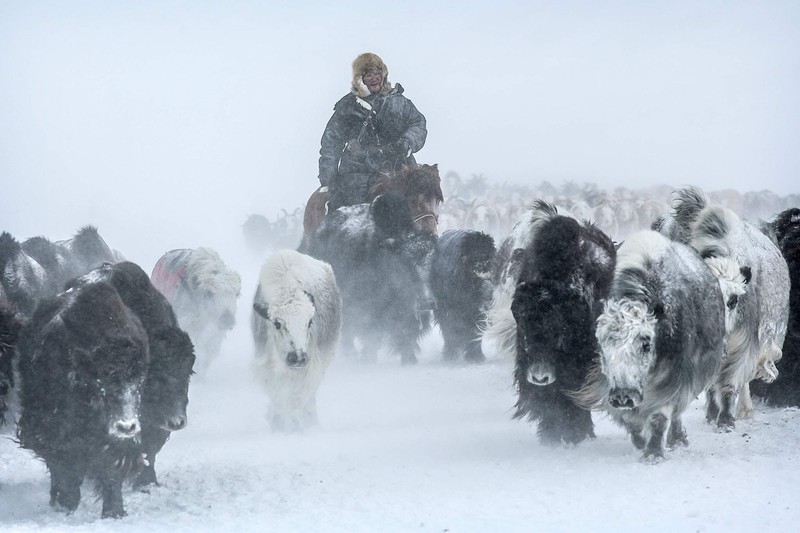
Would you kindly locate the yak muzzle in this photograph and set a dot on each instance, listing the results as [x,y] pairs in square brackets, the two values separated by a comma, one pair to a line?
[125,429]
[624,398]
[541,374]
[175,423]
[295,359]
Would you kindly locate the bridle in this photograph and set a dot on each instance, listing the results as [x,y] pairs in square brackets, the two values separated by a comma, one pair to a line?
[426,215]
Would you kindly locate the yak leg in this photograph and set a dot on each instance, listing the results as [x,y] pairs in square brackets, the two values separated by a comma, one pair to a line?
[451,348]
[148,474]
[677,433]
[65,485]
[726,420]
[110,489]
[153,439]
[403,340]
[655,446]
[745,409]
[635,431]
[560,420]
[473,351]
[712,405]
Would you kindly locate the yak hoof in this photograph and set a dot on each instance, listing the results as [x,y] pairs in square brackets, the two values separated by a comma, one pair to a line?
[653,458]
[725,424]
[114,513]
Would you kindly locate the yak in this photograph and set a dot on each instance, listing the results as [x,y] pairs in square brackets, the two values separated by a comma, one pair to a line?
[83,359]
[500,328]
[758,326]
[296,323]
[10,327]
[203,292]
[382,264]
[38,268]
[785,390]
[662,340]
[460,283]
[565,274]
[166,387]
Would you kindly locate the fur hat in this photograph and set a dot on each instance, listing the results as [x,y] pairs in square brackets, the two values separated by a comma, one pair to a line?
[365,63]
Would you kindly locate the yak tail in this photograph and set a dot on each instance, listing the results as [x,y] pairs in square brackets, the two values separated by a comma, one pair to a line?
[499,327]
[687,203]
[541,212]
[786,222]
[711,230]
[594,391]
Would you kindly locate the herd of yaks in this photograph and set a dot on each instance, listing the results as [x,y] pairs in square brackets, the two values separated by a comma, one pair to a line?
[96,356]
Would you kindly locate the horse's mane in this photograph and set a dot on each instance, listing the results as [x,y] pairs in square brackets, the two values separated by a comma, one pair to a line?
[410,181]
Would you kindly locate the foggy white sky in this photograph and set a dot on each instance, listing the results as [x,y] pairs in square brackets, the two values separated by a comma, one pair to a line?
[129,114]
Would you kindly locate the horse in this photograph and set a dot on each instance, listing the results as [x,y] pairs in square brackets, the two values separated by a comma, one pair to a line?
[420,185]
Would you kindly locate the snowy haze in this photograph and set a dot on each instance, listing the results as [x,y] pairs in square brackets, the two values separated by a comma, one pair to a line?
[166,123]
[178,119]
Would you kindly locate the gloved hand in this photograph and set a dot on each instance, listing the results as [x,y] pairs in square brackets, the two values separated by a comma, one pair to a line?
[373,155]
[400,148]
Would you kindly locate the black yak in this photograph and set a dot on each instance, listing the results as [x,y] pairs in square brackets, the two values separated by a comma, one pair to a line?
[381,262]
[461,285]
[785,390]
[38,268]
[566,272]
[10,326]
[166,388]
[83,359]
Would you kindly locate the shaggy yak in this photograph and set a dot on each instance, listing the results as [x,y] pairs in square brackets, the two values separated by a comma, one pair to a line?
[785,391]
[166,386]
[565,274]
[10,326]
[500,328]
[39,268]
[296,322]
[203,293]
[83,359]
[661,337]
[382,264]
[757,324]
[460,283]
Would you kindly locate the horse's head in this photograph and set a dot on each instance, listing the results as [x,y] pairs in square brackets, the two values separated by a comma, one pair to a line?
[421,186]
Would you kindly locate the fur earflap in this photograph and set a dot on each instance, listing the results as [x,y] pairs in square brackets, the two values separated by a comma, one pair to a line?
[365,63]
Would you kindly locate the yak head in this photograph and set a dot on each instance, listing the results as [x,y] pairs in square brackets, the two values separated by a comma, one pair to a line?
[626,333]
[478,255]
[215,289]
[167,382]
[553,331]
[112,377]
[289,318]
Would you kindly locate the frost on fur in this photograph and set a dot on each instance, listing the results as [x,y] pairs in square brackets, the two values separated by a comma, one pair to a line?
[296,321]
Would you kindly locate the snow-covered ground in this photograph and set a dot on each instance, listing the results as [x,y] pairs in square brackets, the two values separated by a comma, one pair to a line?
[426,448]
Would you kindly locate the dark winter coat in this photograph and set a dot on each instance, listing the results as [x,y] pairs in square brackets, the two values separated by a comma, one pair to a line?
[83,358]
[462,289]
[381,262]
[366,137]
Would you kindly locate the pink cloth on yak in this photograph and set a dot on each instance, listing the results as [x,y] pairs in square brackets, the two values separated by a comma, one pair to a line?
[166,280]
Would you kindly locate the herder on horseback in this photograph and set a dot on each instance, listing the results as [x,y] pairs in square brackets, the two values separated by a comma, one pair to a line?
[374,131]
